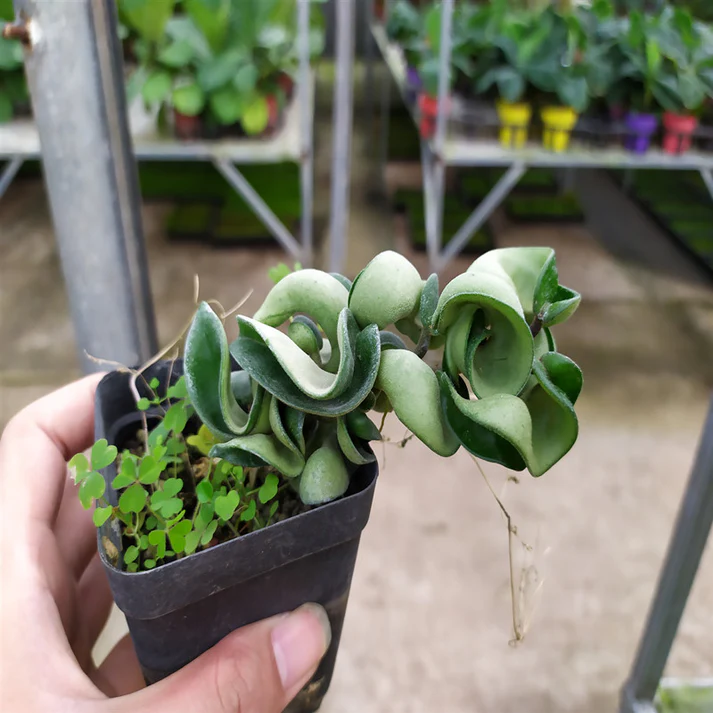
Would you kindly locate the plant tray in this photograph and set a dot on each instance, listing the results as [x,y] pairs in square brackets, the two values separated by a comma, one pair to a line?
[191,222]
[555,209]
[239,229]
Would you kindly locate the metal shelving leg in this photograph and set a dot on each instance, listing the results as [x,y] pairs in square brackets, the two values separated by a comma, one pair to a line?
[306,137]
[369,72]
[91,176]
[9,172]
[433,207]
[342,145]
[497,195]
[434,167]
[262,210]
[693,525]
[706,175]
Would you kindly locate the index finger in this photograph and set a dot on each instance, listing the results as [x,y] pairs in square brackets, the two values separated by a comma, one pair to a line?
[35,448]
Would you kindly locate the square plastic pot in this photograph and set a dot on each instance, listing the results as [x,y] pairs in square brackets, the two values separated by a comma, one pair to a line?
[179,610]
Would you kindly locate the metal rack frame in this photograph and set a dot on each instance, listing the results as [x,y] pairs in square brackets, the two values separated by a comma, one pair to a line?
[20,141]
[443,150]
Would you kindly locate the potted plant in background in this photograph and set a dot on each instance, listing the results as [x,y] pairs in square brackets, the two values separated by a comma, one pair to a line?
[404,26]
[14,97]
[234,484]
[519,38]
[686,76]
[225,72]
[642,73]
[560,73]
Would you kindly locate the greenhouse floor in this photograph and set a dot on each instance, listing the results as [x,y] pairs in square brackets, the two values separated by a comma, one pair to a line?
[429,621]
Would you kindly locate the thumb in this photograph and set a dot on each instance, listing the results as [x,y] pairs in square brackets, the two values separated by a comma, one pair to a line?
[257,669]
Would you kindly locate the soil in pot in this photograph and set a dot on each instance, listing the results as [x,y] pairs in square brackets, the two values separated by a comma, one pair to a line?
[179,609]
[679,130]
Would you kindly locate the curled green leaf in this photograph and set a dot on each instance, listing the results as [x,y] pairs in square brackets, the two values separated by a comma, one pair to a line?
[353,451]
[261,449]
[324,478]
[208,378]
[412,390]
[534,431]
[387,290]
[312,292]
[312,380]
[262,364]
[503,361]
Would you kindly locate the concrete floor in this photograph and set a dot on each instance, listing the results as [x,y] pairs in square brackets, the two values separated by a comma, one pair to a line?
[430,615]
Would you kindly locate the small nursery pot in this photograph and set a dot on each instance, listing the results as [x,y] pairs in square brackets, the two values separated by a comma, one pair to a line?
[179,610]
[287,84]
[187,128]
[558,122]
[679,132]
[414,85]
[640,129]
[273,121]
[514,123]
[428,106]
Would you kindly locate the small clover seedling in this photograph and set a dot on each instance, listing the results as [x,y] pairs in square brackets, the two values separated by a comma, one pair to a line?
[172,498]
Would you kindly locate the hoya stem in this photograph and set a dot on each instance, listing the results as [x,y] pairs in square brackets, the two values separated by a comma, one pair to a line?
[536,326]
[423,343]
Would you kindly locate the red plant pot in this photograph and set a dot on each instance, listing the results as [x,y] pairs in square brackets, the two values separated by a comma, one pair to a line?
[679,132]
[273,113]
[287,84]
[428,105]
[187,128]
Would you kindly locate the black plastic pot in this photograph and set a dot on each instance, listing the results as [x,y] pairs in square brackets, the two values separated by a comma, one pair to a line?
[179,610]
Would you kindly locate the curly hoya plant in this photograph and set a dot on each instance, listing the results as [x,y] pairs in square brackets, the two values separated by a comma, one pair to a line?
[299,402]
[286,430]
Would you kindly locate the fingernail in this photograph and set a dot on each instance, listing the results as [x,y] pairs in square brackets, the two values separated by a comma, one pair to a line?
[299,641]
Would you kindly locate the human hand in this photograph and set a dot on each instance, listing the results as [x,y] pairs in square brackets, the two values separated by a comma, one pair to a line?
[56,598]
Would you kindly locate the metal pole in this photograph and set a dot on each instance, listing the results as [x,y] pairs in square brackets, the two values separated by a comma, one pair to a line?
[497,195]
[262,210]
[434,219]
[307,133]
[9,172]
[685,550]
[369,72]
[437,164]
[74,70]
[341,152]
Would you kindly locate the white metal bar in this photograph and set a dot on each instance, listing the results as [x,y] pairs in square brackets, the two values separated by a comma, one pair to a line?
[444,78]
[435,165]
[496,196]
[342,143]
[307,134]
[9,172]
[261,209]
[75,76]
[432,206]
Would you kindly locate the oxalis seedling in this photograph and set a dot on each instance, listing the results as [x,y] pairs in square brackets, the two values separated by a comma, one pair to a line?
[223,453]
